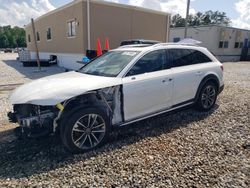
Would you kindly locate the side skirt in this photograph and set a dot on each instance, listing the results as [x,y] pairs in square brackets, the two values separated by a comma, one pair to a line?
[174,108]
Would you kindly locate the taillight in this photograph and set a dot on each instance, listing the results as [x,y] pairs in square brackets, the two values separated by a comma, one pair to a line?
[222,68]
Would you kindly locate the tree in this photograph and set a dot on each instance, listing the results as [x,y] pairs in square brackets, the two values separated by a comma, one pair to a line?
[197,19]
[207,18]
[3,41]
[177,21]
[12,37]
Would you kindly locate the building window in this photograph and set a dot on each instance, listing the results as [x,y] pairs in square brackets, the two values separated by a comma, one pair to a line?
[225,44]
[49,34]
[29,39]
[38,36]
[72,28]
[236,45]
[241,44]
[176,39]
[221,44]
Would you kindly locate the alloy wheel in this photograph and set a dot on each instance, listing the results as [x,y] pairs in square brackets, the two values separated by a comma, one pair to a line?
[88,131]
[208,97]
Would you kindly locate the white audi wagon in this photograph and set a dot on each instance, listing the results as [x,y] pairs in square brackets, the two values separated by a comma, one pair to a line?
[124,85]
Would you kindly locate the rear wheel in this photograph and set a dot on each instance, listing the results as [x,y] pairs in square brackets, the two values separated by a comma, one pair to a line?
[207,97]
[85,130]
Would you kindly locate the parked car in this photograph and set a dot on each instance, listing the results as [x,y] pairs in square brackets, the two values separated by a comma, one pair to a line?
[138,41]
[7,50]
[122,86]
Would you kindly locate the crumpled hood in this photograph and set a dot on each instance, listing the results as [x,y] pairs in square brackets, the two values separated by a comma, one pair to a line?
[57,88]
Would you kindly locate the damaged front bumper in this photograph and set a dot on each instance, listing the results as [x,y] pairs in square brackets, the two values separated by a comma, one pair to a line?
[34,121]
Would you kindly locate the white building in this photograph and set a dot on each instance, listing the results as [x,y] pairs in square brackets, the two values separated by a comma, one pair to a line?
[227,43]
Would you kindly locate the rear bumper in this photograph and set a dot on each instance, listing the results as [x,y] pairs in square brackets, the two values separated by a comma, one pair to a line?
[221,88]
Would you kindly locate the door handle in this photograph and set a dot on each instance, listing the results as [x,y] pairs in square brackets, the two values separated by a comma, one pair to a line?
[133,78]
[169,79]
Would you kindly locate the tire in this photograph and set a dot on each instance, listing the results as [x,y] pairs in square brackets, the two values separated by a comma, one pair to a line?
[207,97]
[85,130]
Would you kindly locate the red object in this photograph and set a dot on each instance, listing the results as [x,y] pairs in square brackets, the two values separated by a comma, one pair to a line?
[106,44]
[98,47]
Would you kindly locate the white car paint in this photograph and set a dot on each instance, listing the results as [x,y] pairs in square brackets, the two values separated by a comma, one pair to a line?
[57,88]
[147,93]
[187,79]
[143,94]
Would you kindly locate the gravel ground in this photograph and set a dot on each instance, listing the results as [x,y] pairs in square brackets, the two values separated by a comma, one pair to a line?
[185,149]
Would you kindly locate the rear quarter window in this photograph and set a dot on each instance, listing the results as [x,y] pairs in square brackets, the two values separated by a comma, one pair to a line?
[199,57]
[184,57]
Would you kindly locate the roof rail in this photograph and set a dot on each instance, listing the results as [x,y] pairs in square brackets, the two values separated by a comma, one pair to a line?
[174,43]
[135,45]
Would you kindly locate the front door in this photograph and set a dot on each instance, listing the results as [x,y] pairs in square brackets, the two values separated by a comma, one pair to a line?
[148,86]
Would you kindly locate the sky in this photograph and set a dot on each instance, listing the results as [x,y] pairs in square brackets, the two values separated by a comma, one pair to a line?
[19,12]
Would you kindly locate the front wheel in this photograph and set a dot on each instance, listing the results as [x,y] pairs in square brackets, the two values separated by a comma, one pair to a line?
[85,130]
[207,97]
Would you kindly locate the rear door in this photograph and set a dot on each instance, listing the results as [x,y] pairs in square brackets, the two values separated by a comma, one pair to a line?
[189,68]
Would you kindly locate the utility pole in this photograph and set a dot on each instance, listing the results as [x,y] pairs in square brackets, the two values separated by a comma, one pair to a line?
[37,52]
[186,21]
[88,24]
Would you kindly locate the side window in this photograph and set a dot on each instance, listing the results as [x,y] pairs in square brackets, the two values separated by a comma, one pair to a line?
[199,57]
[180,57]
[153,61]
[183,57]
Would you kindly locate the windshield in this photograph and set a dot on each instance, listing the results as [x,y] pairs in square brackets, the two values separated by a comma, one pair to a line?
[110,64]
